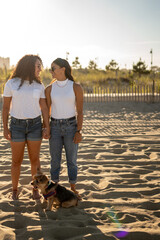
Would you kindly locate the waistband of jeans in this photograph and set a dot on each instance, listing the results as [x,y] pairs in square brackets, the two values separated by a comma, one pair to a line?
[30,120]
[64,119]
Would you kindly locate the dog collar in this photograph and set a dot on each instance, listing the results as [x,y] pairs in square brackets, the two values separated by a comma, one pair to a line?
[49,182]
[49,194]
[49,185]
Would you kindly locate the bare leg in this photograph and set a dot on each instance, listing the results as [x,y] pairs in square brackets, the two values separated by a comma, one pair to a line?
[34,151]
[50,203]
[17,158]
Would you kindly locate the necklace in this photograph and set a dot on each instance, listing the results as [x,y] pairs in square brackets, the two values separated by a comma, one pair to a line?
[62,84]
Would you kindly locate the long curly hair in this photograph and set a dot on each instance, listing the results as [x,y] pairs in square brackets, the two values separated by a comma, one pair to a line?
[25,69]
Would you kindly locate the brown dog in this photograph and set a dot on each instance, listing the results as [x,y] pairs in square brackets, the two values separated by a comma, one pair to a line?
[54,192]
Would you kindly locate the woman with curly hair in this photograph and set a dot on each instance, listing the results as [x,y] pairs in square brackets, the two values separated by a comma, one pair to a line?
[24,99]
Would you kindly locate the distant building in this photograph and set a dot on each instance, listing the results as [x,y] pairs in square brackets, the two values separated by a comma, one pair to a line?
[4,62]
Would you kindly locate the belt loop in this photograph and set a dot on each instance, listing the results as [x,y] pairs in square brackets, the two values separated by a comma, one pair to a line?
[67,121]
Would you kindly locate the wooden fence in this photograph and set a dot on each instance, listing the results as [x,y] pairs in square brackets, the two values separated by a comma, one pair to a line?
[115,94]
[119,94]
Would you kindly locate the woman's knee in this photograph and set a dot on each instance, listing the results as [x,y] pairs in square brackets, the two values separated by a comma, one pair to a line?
[34,161]
[16,162]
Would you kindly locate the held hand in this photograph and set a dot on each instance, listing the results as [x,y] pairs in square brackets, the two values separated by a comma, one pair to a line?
[46,133]
[7,134]
[77,137]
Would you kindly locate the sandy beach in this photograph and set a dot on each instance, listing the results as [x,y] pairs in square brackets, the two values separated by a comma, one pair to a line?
[118,178]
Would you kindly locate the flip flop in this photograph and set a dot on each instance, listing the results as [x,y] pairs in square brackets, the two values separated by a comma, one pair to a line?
[77,194]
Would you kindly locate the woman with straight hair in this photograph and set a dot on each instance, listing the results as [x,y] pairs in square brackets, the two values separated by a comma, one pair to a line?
[65,103]
[24,99]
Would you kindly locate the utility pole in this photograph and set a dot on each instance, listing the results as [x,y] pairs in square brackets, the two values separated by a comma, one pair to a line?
[151,52]
[152,76]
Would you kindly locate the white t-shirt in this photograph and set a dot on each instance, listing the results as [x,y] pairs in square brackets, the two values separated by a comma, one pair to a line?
[25,100]
[63,99]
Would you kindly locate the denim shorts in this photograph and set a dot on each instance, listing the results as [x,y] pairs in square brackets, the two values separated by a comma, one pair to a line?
[26,129]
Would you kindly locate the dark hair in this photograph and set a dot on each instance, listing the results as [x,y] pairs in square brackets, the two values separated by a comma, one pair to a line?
[25,69]
[64,63]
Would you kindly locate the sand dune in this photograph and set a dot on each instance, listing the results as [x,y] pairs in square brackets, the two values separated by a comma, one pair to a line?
[119,180]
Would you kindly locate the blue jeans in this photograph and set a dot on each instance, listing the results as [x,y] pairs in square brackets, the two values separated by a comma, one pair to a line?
[62,134]
[26,129]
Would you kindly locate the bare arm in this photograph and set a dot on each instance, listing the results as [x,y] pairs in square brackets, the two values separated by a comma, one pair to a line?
[48,97]
[5,116]
[79,107]
[45,116]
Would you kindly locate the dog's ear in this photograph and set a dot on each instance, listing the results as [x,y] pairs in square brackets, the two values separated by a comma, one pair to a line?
[38,172]
[43,178]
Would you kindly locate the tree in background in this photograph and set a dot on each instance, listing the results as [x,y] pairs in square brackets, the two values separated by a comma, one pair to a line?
[76,64]
[155,69]
[67,54]
[92,65]
[140,68]
[4,76]
[112,66]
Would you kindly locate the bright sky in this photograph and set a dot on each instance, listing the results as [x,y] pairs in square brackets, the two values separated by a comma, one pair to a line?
[99,30]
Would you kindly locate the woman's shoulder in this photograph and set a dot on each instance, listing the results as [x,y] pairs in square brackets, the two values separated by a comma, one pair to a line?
[77,86]
[9,81]
[48,88]
[77,89]
[53,82]
[74,84]
[13,81]
[16,79]
[51,85]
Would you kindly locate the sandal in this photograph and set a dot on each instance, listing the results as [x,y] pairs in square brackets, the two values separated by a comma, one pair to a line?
[15,195]
[76,192]
[36,194]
